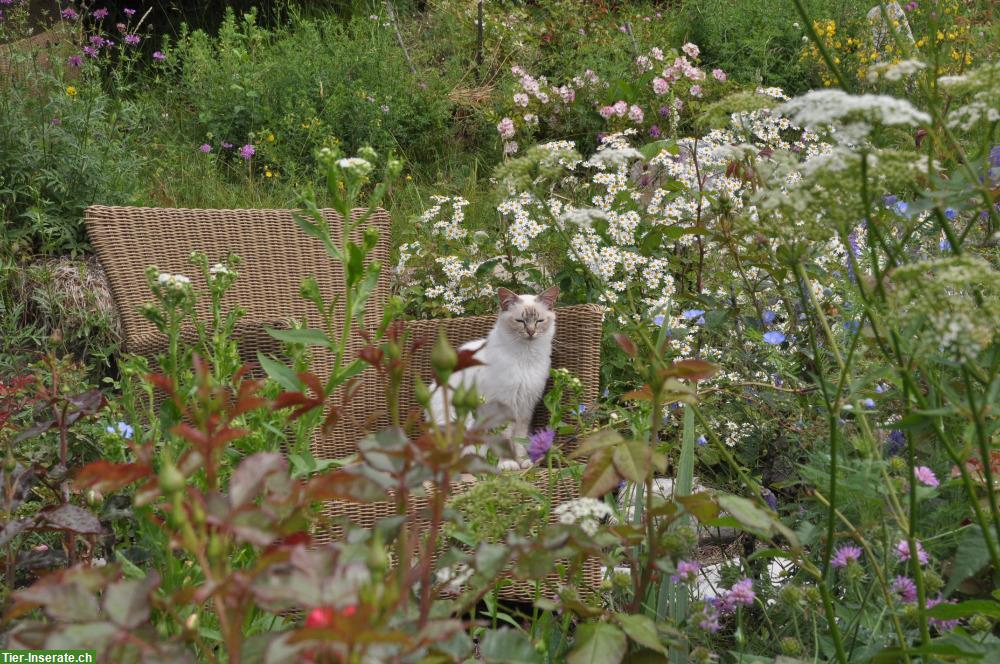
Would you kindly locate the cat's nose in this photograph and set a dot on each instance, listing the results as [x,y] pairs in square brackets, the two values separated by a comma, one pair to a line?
[531,331]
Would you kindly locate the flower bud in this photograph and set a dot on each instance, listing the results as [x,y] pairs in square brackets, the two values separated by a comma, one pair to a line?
[94,497]
[813,596]
[443,358]
[980,623]
[172,479]
[932,582]
[790,646]
[368,153]
[421,392]
[191,624]
[790,596]
[393,168]
[898,464]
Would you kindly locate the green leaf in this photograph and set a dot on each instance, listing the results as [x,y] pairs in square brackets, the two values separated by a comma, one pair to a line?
[600,475]
[749,515]
[280,373]
[942,650]
[598,642]
[508,646]
[633,460]
[702,505]
[308,337]
[355,263]
[641,629]
[970,557]
[963,609]
[650,150]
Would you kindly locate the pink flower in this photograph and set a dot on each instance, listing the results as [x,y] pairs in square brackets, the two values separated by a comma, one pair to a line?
[74,61]
[635,114]
[938,624]
[516,70]
[656,54]
[643,63]
[131,40]
[521,99]
[567,94]
[926,476]
[620,108]
[719,75]
[741,594]
[506,128]
[69,14]
[691,50]
[686,571]
[695,90]
[845,554]
[510,147]
[89,51]
[709,619]
[660,86]
[128,11]
[158,56]
[606,112]
[905,588]
[539,444]
[248,151]
[903,552]
[205,147]
[100,14]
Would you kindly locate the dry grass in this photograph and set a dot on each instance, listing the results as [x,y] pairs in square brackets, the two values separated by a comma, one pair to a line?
[70,294]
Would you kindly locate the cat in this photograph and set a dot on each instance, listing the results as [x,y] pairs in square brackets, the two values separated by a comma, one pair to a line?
[515,356]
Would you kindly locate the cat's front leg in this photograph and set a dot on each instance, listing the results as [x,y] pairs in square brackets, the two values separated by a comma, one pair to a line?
[520,434]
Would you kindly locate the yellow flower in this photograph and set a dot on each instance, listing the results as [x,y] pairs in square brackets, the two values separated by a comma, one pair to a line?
[270,138]
[968,58]
[268,173]
[409,178]
[955,55]
[70,90]
[940,35]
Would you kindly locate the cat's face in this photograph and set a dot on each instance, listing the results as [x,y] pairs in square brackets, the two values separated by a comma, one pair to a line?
[529,317]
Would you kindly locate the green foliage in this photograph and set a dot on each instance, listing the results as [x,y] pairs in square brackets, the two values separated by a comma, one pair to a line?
[496,506]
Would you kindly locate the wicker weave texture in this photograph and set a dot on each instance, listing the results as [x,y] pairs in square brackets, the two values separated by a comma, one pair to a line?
[276,255]
[577,347]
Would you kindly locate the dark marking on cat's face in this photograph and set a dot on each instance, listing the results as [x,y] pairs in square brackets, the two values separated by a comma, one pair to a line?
[528,316]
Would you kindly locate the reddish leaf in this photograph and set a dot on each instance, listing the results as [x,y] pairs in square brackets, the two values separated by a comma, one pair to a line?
[344,485]
[189,433]
[372,356]
[600,475]
[691,369]
[89,402]
[331,419]
[227,435]
[250,476]
[466,359]
[313,383]
[107,476]
[625,344]
[72,519]
[163,383]
[644,393]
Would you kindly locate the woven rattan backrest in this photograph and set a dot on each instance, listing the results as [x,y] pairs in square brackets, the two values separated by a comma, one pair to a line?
[577,347]
[276,256]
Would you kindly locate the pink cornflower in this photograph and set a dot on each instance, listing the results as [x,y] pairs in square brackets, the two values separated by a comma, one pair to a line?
[620,107]
[100,14]
[97,41]
[926,476]
[128,11]
[719,75]
[695,90]
[845,554]
[248,151]
[121,27]
[90,51]
[132,40]
[205,147]
[69,14]
[74,60]
[686,571]
[904,587]
[903,551]
[660,85]
[606,112]
[741,594]
[635,114]
[158,56]
[691,50]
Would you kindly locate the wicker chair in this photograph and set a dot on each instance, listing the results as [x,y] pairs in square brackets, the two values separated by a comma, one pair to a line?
[276,257]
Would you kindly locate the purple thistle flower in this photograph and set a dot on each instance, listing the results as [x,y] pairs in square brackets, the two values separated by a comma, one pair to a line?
[158,56]
[539,444]
[74,60]
[69,14]
[100,14]
[90,51]
[709,619]
[774,338]
[205,147]
[664,111]
[903,552]
[687,571]
[904,587]
[248,151]
[845,554]
[654,132]
[132,40]
[936,623]
[895,443]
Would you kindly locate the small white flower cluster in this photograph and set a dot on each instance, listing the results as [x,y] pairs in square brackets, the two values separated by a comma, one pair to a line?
[449,227]
[453,577]
[585,512]
[220,270]
[355,166]
[819,109]
[174,281]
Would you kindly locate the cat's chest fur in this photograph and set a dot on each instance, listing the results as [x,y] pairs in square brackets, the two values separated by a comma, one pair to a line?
[513,372]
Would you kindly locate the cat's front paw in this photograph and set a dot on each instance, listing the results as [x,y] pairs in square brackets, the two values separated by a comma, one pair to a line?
[509,464]
[525,464]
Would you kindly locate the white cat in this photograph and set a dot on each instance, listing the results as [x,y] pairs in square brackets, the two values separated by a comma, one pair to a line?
[515,356]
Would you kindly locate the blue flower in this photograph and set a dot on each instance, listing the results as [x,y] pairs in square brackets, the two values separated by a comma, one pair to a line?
[768,317]
[901,208]
[769,498]
[582,408]
[852,326]
[702,440]
[774,338]
[944,245]
[890,200]
[658,320]
[539,444]
[122,429]
[868,403]
[895,443]
[691,314]
[606,393]
[950,213]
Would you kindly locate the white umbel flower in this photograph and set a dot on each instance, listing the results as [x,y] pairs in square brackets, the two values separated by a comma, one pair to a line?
[585,512]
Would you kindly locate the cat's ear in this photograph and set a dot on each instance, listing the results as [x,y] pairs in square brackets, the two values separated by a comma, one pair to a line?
[548,296]
[508,298]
